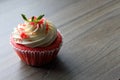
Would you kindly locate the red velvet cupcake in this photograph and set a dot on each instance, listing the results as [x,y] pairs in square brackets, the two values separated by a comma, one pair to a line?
[37,41]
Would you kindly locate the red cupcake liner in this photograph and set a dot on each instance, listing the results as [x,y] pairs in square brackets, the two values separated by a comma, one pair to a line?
[40,55]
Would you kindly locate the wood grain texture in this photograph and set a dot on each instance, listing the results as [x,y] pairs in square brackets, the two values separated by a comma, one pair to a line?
[91,36]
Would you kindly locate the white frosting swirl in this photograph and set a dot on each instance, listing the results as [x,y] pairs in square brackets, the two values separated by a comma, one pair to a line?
[35,34]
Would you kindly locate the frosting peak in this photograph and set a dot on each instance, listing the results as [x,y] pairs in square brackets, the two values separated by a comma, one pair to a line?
[35,32]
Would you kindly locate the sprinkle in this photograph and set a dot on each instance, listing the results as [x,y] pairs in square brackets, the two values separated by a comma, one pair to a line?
[23,35]
[32,23]
[33,18]
[40,17]
[24,17]
[41,21]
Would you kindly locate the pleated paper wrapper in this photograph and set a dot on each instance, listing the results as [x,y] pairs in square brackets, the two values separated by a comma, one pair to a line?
[38,56]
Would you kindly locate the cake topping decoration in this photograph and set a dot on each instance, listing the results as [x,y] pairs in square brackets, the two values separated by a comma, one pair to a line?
[33,19]
[35,31]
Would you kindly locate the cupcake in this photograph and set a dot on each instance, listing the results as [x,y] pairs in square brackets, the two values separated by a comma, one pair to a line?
[36,41]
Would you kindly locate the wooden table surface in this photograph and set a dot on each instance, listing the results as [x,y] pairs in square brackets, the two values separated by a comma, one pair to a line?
[91,39]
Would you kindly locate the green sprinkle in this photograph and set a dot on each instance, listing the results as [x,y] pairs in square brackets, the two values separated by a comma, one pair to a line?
[40,17]
[24,17]
[32,19]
